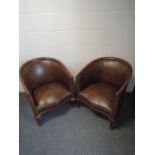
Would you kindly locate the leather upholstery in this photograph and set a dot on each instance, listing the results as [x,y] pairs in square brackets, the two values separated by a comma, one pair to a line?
[105,70]
[101,95]
[47,83]
[49,95]
[102,84]
[39,72]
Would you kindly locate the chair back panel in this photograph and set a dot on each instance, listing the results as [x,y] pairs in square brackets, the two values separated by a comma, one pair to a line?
[114,71]
[41,71]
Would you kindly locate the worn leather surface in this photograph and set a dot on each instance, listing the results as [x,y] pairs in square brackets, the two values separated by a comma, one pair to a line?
[39,72]
[46,82]
[102,84]
[49,95]
[111,71]
[49,82]
[101,95]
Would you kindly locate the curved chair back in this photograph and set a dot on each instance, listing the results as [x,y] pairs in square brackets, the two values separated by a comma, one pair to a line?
[112,70]
[43,70]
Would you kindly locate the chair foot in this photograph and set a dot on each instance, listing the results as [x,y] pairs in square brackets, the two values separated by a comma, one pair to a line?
[38,120]
[72,101]
[78,103]
[112,125]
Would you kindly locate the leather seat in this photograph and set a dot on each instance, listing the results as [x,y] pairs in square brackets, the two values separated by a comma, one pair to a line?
[101,95]
[49,95]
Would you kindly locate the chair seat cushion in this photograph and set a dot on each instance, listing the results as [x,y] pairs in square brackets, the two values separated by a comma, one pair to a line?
[101,95]
[49,95]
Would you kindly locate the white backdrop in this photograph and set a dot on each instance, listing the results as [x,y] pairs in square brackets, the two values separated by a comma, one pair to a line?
[77,31]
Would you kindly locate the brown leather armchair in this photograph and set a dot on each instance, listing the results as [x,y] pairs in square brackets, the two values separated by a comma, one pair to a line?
[101,85]
[47,83]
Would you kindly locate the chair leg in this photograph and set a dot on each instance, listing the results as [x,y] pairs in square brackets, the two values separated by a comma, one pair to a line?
[73,100]
[38,120]
[78,102]
[112,125]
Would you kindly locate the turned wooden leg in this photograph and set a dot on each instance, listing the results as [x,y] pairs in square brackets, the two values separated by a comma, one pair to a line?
[38,120]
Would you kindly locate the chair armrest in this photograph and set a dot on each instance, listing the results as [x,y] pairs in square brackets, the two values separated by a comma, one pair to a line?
[29,95]
[77,85]
[32,102]
[122,88]
[67,79]
[72,85]
[84,78]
